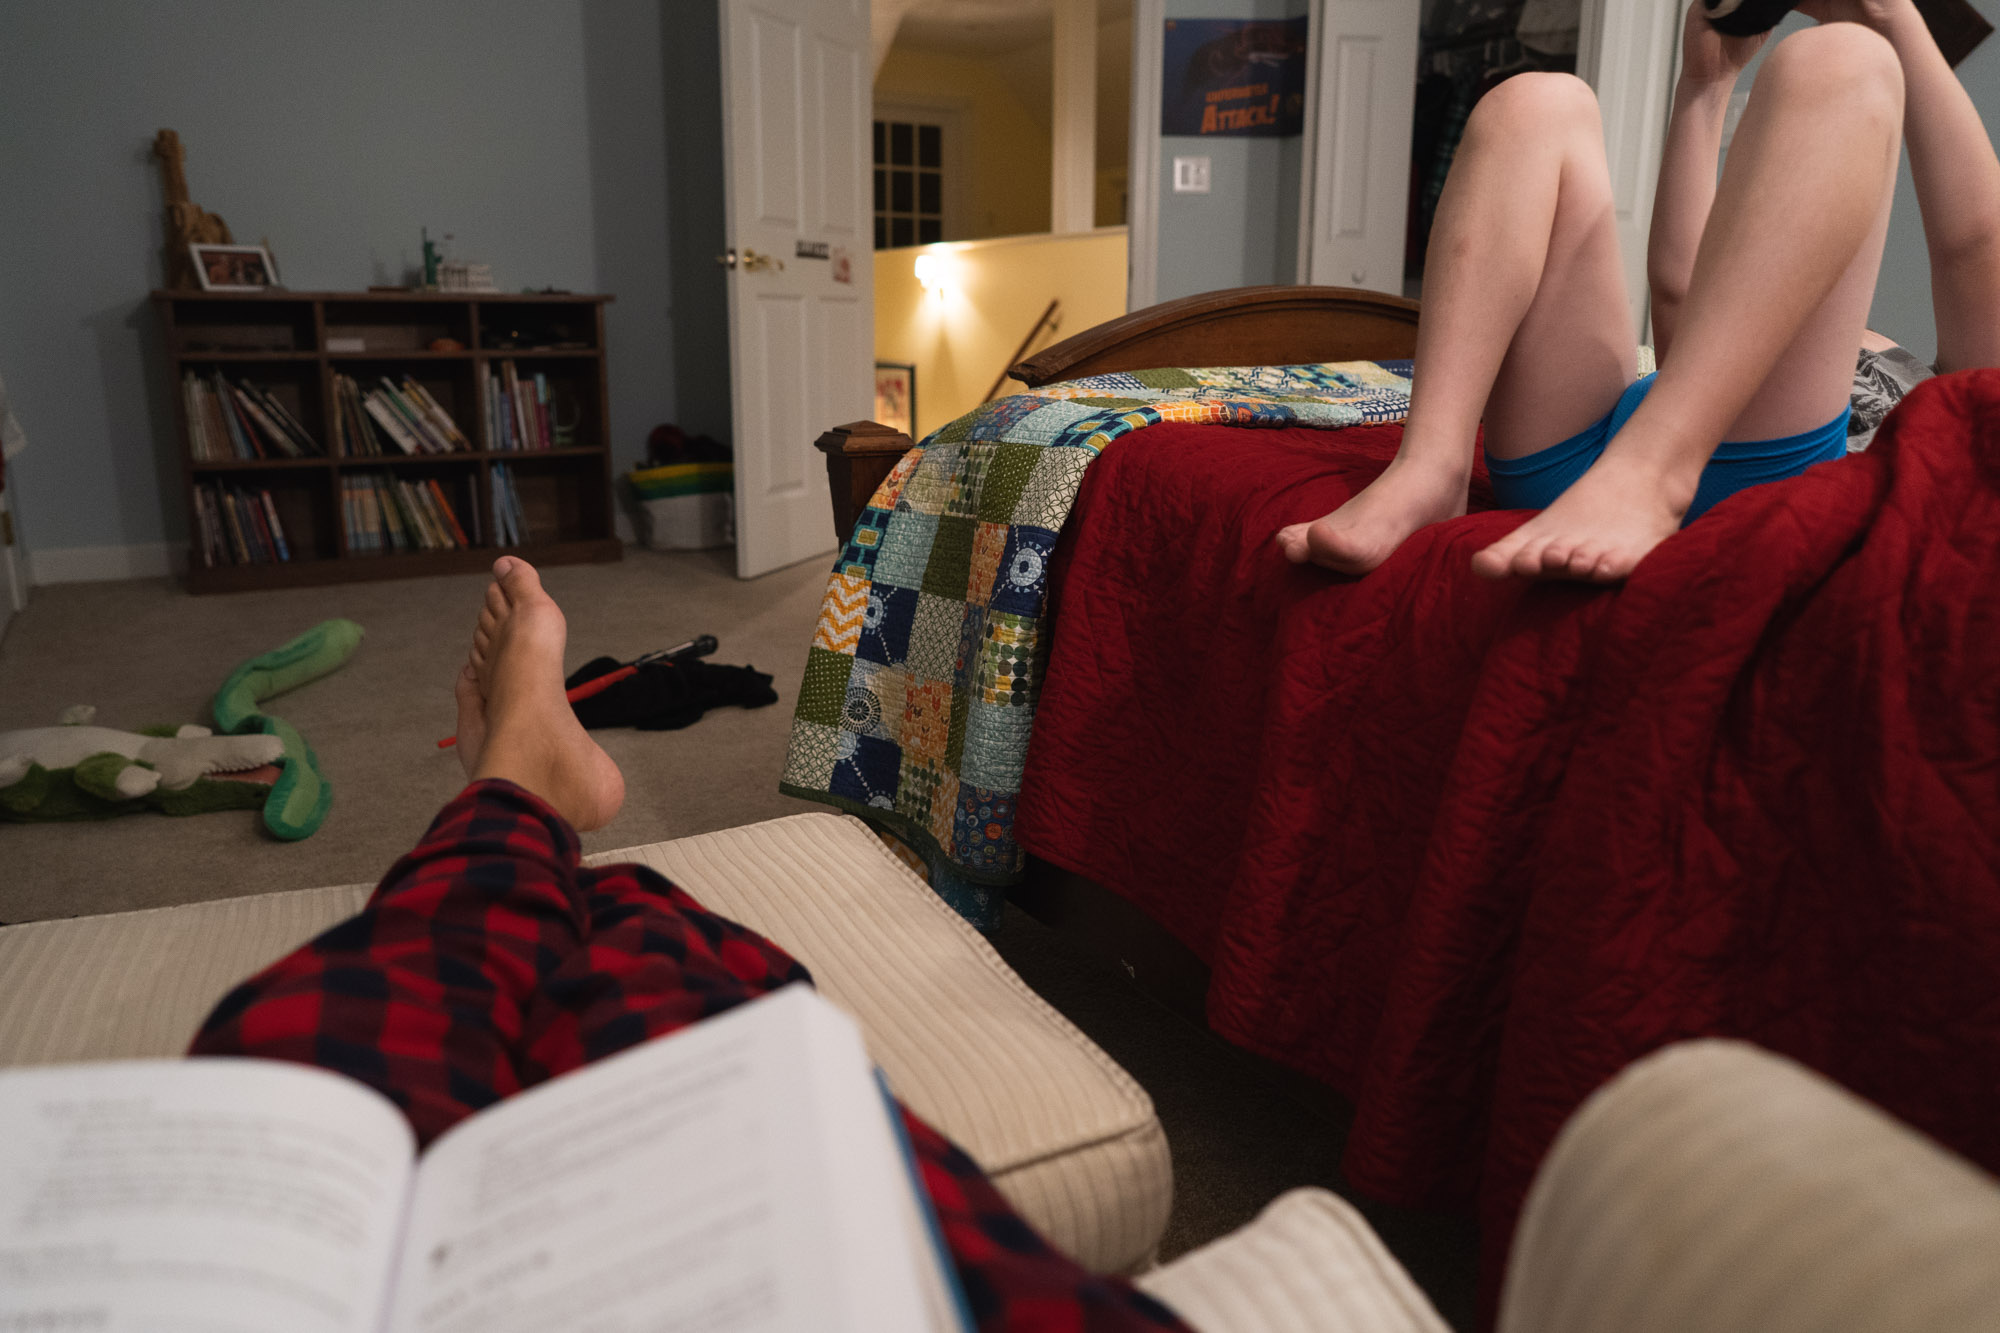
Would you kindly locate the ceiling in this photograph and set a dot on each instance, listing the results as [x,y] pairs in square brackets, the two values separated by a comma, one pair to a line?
[989,27]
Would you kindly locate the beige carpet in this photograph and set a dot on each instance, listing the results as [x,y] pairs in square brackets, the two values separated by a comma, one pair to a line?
[146,652]
[1242,1129]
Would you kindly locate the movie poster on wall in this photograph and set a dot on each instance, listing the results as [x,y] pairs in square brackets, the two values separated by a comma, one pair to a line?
[1234,78]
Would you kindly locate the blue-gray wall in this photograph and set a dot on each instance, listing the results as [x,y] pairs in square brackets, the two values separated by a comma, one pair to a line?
[1244,232]
[546,135]
[1902,306]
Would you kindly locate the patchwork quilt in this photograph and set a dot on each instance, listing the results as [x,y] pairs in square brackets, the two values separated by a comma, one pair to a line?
[921,682]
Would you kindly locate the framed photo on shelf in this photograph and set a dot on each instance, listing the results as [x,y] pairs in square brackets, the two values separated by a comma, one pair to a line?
[896,396]
[233,268]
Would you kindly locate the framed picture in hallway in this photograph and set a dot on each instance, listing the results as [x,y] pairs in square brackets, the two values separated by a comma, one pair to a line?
[896,396]
[1234,77]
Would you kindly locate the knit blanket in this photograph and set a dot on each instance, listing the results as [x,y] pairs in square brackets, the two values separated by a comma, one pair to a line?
[921,682]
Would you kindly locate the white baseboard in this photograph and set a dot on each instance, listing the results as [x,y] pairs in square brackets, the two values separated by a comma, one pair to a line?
[95,564]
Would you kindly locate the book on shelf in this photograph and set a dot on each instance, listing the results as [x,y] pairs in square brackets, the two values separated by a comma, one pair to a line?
[373,532]
[277,529]
[203,532]
[515,409]
[393,514]
[510,521]
[355,433]
[396,532]
[240,420]
[744,1173]
[263,550]
[450,516]
[238,526]
[276,421]
[440,421]
[390,418]
[232,515]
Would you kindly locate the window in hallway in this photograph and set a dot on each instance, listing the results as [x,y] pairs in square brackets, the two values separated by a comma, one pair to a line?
[909,183]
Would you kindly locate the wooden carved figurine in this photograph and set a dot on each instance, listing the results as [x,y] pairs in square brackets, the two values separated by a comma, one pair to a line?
[186,221]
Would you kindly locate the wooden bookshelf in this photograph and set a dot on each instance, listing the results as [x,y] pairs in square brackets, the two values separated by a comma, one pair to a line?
[280,340]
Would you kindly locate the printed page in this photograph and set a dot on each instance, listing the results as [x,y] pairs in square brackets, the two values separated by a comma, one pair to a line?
[212,1194]
[870,1164]
[683,1185]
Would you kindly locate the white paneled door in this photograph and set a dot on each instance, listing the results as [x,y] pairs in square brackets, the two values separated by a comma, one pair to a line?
[796,84]
[1361,82]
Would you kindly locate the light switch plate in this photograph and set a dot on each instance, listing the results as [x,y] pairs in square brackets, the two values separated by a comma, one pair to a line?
[1190,175]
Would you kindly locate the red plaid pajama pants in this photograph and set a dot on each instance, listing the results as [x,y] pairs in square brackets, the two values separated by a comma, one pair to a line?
[489,960]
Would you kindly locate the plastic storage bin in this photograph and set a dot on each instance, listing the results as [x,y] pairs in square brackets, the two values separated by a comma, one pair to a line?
[687,506]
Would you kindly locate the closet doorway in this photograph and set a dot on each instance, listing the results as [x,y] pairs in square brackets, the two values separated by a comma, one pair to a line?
[1464,49]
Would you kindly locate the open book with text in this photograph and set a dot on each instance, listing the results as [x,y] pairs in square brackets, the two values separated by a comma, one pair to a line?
[743,1174]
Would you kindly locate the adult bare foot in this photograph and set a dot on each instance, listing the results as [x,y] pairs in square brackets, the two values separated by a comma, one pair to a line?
[514,721]
[471,735]
[1598,530]
[1365,531]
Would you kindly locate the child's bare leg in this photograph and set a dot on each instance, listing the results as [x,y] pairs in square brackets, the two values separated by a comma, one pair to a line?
[1524,321]
[514,720]
[1774,311]
[1957,178]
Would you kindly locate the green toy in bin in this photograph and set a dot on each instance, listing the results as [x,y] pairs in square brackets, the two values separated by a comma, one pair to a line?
[685,506]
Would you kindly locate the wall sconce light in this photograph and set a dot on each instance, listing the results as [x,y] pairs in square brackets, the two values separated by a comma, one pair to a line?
[934,273]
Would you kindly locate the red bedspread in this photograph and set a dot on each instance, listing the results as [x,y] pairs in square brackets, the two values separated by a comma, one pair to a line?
[1463,849]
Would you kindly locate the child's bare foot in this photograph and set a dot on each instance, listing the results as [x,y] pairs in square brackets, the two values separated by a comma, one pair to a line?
[514,721]
[1598,530]
[1365,531]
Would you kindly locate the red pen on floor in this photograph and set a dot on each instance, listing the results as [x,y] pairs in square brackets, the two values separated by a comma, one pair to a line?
[693,648]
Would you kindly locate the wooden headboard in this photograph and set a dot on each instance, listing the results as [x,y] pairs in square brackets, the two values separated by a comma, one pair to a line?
[1242,326]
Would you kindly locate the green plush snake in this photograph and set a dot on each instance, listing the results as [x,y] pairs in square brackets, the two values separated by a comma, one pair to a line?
[299,800]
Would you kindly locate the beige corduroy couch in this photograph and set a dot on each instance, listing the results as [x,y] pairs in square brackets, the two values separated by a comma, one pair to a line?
[1711,1186]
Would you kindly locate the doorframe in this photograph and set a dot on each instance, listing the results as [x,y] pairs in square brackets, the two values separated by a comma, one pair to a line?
[1309,142]
[1616,39]
[1142,171]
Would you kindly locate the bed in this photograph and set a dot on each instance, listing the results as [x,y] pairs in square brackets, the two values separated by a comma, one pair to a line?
[1463,850]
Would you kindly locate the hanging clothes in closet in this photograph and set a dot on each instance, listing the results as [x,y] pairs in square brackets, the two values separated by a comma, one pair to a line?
[1466,48]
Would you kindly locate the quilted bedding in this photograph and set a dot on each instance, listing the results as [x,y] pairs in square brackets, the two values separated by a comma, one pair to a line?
[920,687]
[1464,849]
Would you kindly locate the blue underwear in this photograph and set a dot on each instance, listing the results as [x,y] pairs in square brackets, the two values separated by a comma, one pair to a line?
[1533,481]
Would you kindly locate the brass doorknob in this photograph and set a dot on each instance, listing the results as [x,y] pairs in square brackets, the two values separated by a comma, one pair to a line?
[727,259]
[756,263]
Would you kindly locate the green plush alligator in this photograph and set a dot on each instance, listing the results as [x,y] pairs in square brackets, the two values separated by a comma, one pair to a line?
[83,772]
[79,771]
